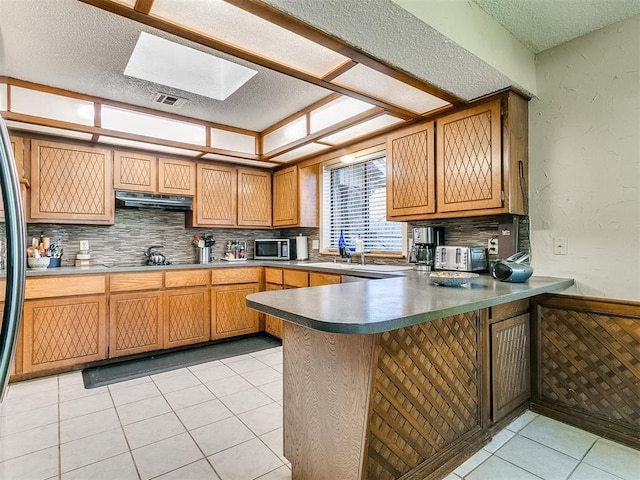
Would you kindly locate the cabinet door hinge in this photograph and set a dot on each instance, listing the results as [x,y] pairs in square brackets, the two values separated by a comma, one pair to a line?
[502,195]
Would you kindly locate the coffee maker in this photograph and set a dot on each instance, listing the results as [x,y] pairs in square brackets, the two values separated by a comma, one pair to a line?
[423,249]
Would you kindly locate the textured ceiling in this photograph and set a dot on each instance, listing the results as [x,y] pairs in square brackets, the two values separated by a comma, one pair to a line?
[543,24]
[71,45]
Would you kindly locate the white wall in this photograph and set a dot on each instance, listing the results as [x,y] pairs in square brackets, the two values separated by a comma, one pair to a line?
[584,159]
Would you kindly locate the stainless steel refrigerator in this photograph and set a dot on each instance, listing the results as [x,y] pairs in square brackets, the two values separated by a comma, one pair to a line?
[16,257]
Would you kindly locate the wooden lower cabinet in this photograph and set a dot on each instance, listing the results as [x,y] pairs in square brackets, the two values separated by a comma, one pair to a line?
[316,279]
[230,315]
[273,325]
[135,323]
[186,316]
[62,332]
[510,365]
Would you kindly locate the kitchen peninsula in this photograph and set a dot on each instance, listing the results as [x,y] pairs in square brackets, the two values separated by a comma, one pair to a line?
[391,378]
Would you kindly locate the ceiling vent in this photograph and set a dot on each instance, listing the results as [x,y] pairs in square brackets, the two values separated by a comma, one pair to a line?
[171,100]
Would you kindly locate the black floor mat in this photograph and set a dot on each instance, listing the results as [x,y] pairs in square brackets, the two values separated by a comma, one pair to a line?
[162,362]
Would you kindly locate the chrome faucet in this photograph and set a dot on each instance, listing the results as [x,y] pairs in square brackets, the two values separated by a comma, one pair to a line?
[362,261]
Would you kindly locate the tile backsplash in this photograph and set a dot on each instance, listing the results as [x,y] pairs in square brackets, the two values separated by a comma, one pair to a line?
[125,242]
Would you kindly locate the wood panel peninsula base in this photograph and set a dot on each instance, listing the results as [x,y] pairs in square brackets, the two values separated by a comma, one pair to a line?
[364,400]
[400,404]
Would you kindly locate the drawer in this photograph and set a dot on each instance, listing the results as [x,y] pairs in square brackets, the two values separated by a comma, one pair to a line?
[508,310]
[64,286]
[296,278]
[186,278]
[273,275]
[228,276]
[316,279]
[128,282]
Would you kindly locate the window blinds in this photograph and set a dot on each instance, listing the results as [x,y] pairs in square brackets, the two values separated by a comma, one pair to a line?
[354,201]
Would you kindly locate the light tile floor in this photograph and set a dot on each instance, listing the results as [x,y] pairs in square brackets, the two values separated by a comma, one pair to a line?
[223,420]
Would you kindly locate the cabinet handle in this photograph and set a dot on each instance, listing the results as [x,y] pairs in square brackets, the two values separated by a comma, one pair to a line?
[16,256]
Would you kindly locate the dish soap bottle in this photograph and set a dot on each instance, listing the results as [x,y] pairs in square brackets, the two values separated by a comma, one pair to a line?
[341,244]
[359,244]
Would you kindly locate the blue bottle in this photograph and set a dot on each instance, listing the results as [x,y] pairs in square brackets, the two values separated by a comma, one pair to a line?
[341,244]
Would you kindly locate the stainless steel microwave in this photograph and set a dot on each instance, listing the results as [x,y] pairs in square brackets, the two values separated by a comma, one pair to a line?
[272,249]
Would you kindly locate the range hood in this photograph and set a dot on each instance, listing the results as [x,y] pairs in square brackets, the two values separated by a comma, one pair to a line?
[153,200]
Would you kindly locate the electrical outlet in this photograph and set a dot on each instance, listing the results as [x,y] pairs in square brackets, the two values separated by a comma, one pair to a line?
[315,244]
[492,246]
[560,246]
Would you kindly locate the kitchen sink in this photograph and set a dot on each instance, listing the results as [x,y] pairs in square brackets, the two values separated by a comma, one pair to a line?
[360,268]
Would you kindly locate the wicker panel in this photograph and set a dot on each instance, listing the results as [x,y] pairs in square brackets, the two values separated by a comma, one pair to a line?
[65,331]
[254,198]
[467,148]
[186,316]
[217,195]
[136,322]
[285,197]
[135,171]
[425,394]
[510,342]
[71,181]
[591,362]
[411,182]
[177,176]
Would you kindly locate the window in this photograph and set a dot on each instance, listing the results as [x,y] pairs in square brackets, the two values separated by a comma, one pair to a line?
[354,202]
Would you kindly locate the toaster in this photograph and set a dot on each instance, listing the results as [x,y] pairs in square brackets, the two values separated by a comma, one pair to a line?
[461,259]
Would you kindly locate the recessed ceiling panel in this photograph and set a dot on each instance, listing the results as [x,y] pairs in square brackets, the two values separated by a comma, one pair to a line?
[336,111]
[292,131]
[372,82]
[238,142]
[300,152]
[151,126]
[3,96]
[242,161]
[362,129]
[233,25]
[168,63]
[147,146]
[48,105]
[58,132]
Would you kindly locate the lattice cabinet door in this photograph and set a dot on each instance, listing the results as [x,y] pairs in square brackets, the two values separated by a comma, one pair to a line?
[273,325]
[410,172]
[135,323]
[176,177]
[216,195]
[230,315]
[62,332]
[510,365]
[469,159]
[254,198]
[71,183]
[135,172]
[186,319]
[285,197]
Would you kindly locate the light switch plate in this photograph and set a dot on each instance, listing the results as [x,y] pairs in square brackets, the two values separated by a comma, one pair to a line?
[315,244]
[560,246]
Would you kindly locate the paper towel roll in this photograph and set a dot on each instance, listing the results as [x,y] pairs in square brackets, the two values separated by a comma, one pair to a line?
[302,252]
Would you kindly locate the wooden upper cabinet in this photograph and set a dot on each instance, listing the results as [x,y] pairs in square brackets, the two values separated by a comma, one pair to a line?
[216,199]
[71,183]
[17,146]
[410,172]
[295,197]
[134,171]
[285,197]
[469,159]
[254,198]
[176,177]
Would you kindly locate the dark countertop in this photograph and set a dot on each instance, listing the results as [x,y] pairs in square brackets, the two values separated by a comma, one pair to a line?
[382,305]
[374,271]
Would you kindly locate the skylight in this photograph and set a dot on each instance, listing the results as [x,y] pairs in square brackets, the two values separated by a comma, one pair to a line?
[161,61]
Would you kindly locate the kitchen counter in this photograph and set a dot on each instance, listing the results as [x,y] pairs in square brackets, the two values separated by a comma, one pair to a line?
[328,267]
[390,378]
[388,304]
